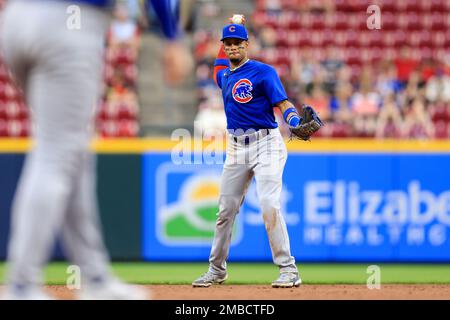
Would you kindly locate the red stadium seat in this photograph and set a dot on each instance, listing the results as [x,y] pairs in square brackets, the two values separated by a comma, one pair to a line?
[437,5]
[447,39]
[414,21]
[425,39]
[340,130]
[389,39]
[400,38]
[441,130]
[316,38]
[438,39]
[342,22]
[340,38]
[400,6]
[23,112]
[127,128]
[438,21]
[18,128]
[294,20]
[271,20]
[351,38]
[401,21]
[3,128]
[283,56]
[330,21]
[439,113]
[126,112]
[376,38]
[353,56]
[413,5]
[329,38]
[388,21]
[413,38]
[318,22]
[360,21]
[425,6]
[108,128]
[302,38]
[390,130]
[282,36]
[305,21]
[3,115]
[388,6]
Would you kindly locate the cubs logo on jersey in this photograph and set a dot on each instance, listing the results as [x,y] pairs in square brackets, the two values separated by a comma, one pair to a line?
[242,91]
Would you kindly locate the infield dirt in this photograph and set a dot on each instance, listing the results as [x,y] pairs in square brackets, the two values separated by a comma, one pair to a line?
[304,292]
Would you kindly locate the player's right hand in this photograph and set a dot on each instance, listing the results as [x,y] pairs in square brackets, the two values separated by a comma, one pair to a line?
[178,63]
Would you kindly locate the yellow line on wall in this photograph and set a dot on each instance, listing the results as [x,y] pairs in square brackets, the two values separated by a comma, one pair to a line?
[316,145]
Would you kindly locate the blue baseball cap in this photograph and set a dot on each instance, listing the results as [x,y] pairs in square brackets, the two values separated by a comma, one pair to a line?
[234,31]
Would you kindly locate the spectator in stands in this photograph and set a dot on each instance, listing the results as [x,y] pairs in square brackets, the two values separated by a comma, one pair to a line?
[414,87]
[331,64]
[320,99]
[124,33]
[365,104]
[386,82]
[438,87]
[418,123]
[405,64]
[205,47]
[389,121]
[268,37]
[210,120]
[272,6]
[136,12]
[340,103]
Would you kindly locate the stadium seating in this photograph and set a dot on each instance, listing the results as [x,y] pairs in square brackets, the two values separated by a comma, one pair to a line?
[120,69]
[421,25]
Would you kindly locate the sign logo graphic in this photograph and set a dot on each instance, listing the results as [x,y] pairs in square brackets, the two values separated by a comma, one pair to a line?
[191,219]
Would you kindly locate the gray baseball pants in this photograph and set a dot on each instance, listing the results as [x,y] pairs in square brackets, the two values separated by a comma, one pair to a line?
[60,70]
[264,158]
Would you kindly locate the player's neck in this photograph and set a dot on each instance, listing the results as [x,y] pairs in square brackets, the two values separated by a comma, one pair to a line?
[240,64]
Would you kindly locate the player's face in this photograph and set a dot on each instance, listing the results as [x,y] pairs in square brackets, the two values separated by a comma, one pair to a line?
[236,49]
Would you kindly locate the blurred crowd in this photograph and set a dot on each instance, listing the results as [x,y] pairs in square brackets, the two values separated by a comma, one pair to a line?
[364,83]
[118,110]
[387,83]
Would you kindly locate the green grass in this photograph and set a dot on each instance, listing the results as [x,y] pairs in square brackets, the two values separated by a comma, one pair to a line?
[263,273]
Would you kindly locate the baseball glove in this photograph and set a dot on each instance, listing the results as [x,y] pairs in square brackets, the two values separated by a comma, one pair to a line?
[310,124]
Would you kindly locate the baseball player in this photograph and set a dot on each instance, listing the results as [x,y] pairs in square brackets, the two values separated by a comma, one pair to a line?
[250,91]
[59,69]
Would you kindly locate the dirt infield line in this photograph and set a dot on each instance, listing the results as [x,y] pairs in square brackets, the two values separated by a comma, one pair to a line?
[304,292]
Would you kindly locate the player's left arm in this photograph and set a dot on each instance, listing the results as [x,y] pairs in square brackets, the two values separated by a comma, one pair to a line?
[290,114]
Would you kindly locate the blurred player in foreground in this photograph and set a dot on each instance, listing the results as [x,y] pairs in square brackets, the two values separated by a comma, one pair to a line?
[250,91]
[59,69]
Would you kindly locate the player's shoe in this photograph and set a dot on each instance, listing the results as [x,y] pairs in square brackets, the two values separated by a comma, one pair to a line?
[209,279]
[113,290]
[287,280]
[31,292]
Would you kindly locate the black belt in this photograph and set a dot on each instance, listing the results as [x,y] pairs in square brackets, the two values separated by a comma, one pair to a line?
[246,139]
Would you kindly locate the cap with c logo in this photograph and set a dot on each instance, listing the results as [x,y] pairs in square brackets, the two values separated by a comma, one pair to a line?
[234,31]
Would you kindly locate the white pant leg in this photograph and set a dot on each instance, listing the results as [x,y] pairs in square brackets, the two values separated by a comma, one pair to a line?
[82,237]
[62,87]
[271,158]
[236,177]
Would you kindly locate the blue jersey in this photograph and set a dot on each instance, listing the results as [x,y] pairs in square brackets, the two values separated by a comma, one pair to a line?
[249,94]
[167,11]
